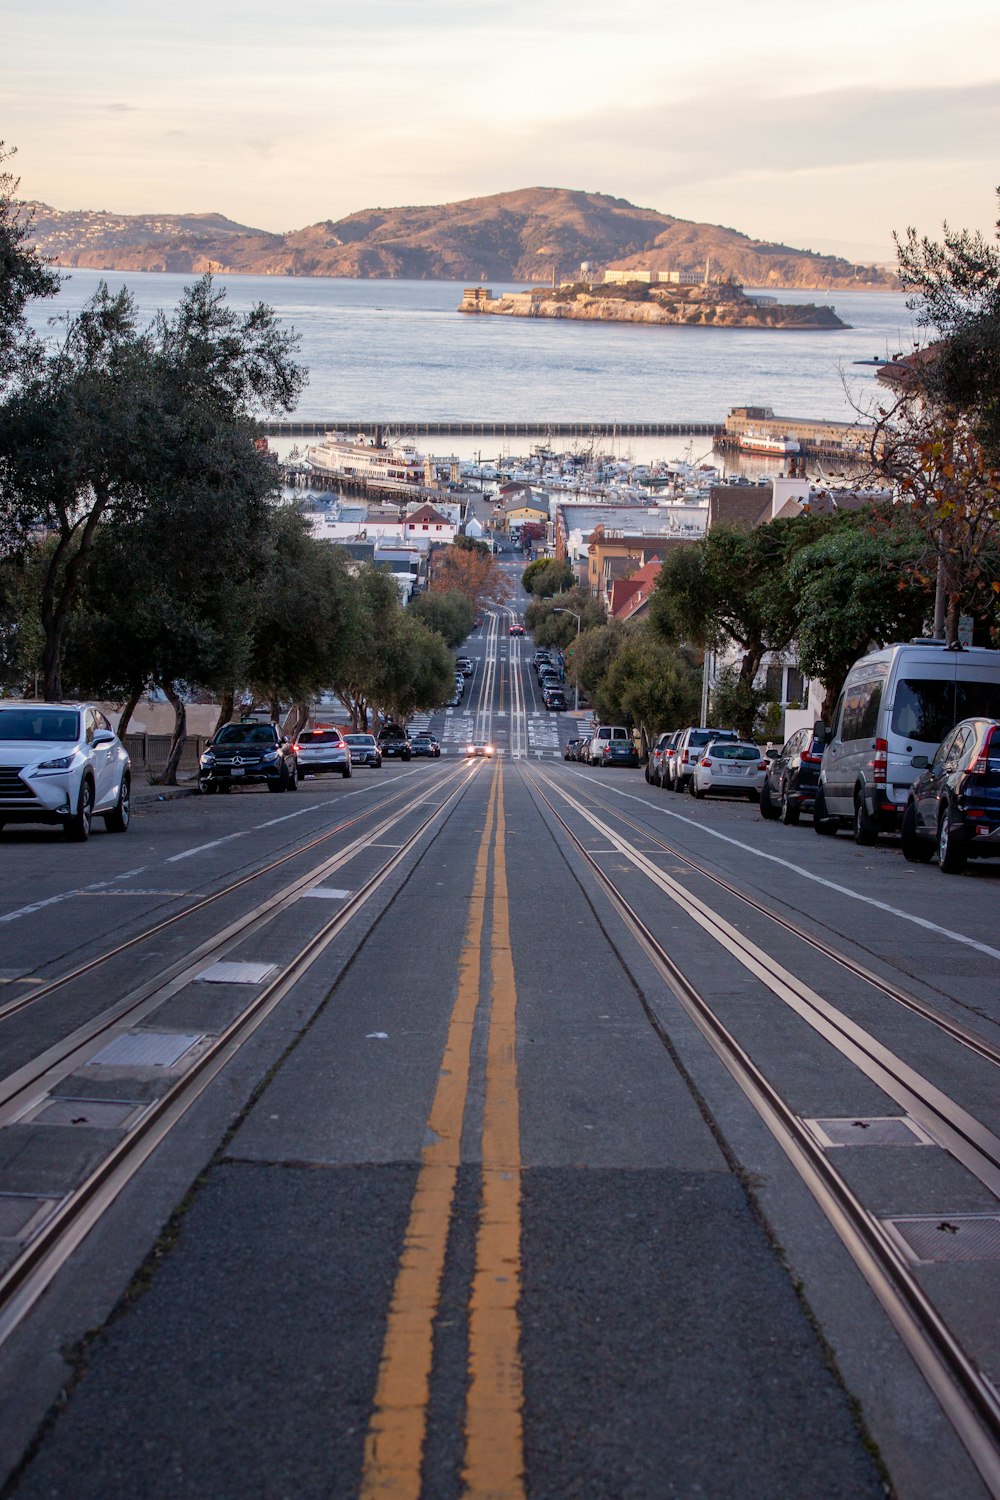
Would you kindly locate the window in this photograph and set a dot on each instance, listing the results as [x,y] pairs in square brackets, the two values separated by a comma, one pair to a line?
[926,708]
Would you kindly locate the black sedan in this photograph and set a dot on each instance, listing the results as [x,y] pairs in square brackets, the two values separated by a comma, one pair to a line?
[954,804]
[791,780]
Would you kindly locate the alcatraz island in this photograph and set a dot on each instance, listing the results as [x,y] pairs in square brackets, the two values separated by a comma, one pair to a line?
[672,298]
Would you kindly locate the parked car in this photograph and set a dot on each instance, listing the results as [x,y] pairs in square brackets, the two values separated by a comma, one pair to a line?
[464,665]
[657,751]
[554,699]
[792,777]
[571,747]
[726,766]
[690,745]
[364,750]
[616,753]
[424,743]
[251,753]
[954,804]
[600,737]
[583,750]
[896,704]
[394,743]
[62,763]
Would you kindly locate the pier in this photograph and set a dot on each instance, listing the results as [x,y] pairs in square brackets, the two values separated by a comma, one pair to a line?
[487,427]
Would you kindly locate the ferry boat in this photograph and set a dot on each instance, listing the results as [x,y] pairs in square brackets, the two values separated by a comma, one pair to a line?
[370,462]
[763,442]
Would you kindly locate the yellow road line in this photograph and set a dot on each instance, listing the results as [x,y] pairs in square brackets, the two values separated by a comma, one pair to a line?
[494,1452]
[395,1440]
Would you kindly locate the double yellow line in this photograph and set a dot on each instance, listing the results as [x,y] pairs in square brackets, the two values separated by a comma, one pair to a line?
[494,1448]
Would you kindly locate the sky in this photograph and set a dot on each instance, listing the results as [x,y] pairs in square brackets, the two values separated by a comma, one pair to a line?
[822,126]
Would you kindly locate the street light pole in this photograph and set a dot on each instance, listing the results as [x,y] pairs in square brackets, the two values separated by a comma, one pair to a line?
[558,611]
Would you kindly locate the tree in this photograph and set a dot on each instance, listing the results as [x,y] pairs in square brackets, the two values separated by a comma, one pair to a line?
[119,415]
[547,576]
[653,685]
[956,292]
[856,587]
[451,615]
[371,628]
[472,544]
[23,276]
[552,629]
[476,575]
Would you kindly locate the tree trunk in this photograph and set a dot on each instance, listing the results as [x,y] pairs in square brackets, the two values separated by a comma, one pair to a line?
[225,710]
[169,775]
[298,720]
[125,717]
[275,712]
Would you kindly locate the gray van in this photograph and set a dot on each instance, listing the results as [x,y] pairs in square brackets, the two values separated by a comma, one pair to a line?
[896,703]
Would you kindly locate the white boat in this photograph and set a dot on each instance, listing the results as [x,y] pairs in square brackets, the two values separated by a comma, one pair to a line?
[763,442]
[390,464]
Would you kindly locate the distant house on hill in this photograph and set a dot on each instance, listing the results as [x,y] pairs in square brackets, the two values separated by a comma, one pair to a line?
[630,596]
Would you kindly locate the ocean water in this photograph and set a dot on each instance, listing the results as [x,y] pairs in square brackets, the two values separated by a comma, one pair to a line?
[398,351]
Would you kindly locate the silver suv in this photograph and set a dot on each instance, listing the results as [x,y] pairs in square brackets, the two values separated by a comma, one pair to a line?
[62,763]
[690,745]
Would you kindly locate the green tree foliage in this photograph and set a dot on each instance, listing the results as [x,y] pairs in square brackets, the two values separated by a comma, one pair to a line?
[654,685]
[450,615]
[472,544]
[23,276]
[732,586]
[119,417]
[546,577]
[552,629]
[737,704]
[857,586]
[955,284]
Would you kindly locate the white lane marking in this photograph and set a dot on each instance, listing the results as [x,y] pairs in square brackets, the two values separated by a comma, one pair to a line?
[285,818]
[831,885]
[84,890]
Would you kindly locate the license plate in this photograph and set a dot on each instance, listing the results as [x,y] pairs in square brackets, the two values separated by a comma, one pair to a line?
[236,771]
[736,771]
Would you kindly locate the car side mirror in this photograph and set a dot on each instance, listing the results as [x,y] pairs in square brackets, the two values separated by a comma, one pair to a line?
[102,737]
[919,762]
[773,753]
[821,734]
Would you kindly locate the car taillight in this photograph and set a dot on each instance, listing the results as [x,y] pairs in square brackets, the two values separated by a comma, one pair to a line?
[880,762]
[684,757]
[706,761]
[762,765]
[981,764]
[809,759]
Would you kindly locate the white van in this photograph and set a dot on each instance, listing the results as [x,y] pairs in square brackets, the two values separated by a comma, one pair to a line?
[896,703]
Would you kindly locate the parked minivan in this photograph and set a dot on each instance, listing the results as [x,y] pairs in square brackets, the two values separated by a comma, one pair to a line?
[896,704]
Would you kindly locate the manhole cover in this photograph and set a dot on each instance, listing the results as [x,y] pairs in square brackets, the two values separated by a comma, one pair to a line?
[104,1114]
[144,1049]
[236,973]
[948,1237]
[888,1130]
[22,1213]
[327,893]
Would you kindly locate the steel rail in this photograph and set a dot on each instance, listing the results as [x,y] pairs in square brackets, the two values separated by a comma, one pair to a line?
[21,1002]
[966,1396]
[954,1029]
[16,1089]
[60,1236]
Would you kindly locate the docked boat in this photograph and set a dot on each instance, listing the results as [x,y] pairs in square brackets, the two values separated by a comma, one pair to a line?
[777,445]
[371,463]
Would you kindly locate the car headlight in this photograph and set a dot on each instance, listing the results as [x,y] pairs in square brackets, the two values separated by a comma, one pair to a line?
[270,755]
[61,763]
[208,759]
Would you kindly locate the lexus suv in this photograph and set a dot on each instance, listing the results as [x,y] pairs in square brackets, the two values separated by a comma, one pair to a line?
[244,753]
[62,763]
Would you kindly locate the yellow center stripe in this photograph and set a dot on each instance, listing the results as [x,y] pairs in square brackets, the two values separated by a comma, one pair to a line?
[494,1452]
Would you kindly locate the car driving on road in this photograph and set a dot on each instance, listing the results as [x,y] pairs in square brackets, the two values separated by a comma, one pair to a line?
[364,750]
[62,763]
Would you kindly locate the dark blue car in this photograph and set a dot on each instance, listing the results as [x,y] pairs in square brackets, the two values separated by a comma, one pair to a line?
[954,805]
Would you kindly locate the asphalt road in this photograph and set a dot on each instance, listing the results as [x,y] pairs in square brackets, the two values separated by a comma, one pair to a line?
[459,1192]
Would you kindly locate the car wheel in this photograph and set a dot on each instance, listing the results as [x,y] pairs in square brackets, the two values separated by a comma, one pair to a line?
[225,786]
[77,826]
[788,812]
[951,855]
[822,822]
[864,830]
[766,804]
[406,755]
[281,785]
[120,816]
[698,791]
[208,787]
[917,850]
[649,779]
[692,789]
[347,770]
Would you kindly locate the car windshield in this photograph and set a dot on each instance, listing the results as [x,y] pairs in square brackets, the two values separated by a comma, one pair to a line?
[733,752]
[926,708]
[245,734]
[62,724]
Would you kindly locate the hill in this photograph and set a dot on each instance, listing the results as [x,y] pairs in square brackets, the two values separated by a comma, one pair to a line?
[519,236]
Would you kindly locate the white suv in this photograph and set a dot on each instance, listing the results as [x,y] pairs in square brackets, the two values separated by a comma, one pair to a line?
[62,763]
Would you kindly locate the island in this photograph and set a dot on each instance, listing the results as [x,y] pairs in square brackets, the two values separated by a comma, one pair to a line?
[669,300]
